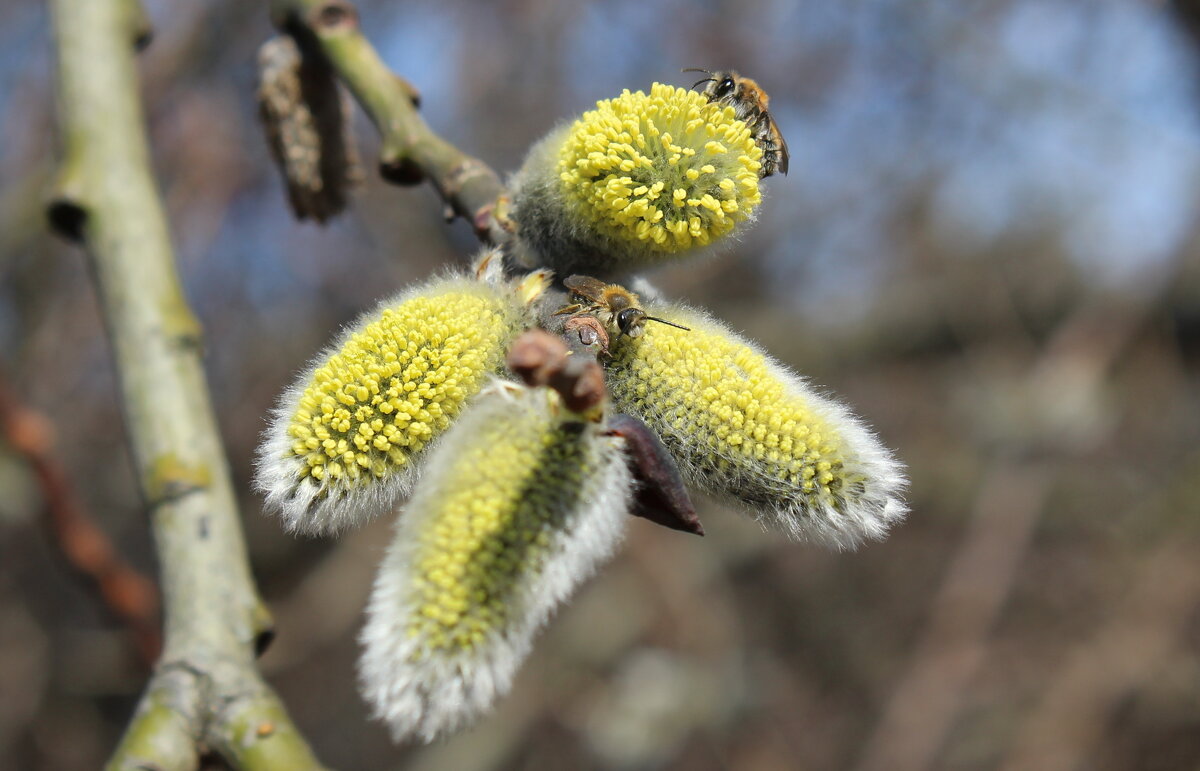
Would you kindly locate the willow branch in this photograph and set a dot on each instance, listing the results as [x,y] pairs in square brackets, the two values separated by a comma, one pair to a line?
[206,692]
[411,151]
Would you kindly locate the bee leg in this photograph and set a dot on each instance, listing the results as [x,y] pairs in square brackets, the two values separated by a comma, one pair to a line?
[563,311]
[660,495]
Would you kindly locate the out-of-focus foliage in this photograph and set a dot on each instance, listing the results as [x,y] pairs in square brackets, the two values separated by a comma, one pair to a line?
[987,243]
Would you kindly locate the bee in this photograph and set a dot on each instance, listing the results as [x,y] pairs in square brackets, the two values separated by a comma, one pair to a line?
[616,304]
[749,103]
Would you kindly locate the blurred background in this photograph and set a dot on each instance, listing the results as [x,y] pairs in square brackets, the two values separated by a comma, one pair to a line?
[989,245]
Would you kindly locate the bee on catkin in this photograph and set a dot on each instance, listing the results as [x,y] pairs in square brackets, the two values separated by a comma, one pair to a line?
[744,428]
[749,102]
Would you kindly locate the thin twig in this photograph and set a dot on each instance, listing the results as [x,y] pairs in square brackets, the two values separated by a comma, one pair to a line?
[411,152]
[125,592]
[206,693]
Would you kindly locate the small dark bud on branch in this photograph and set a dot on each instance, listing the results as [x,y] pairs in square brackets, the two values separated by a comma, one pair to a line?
[541,359]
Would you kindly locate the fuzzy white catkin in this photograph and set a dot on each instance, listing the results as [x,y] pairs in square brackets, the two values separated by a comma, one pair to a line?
[518,504]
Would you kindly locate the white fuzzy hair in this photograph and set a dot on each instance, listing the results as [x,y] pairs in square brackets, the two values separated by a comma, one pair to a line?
[868,516]
[425,693]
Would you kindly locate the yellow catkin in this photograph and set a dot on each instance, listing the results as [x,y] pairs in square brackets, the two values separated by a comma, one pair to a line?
[743,427]
[666,168]
[719,400]
[397,383]
[517,484]
[347,436]
[641,179]
[516,506]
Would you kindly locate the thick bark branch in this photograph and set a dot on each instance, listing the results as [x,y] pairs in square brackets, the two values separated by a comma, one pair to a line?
[206,693]
[411,151]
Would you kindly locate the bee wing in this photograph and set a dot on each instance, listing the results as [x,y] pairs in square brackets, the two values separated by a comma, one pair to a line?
[783,148]
[585,286]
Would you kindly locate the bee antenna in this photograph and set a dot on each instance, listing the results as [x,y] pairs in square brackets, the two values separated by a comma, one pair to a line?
[668,323]
[711,77]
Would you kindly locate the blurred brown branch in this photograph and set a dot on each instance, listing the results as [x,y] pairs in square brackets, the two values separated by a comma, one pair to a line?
[206,693]
[952,645]
[1057,397]
[129,595]
[411,152]
[1145,628]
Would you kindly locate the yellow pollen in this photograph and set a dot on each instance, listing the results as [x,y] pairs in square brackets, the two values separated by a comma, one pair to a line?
[622,155]
[730,414]
[398,381]
[514,486]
